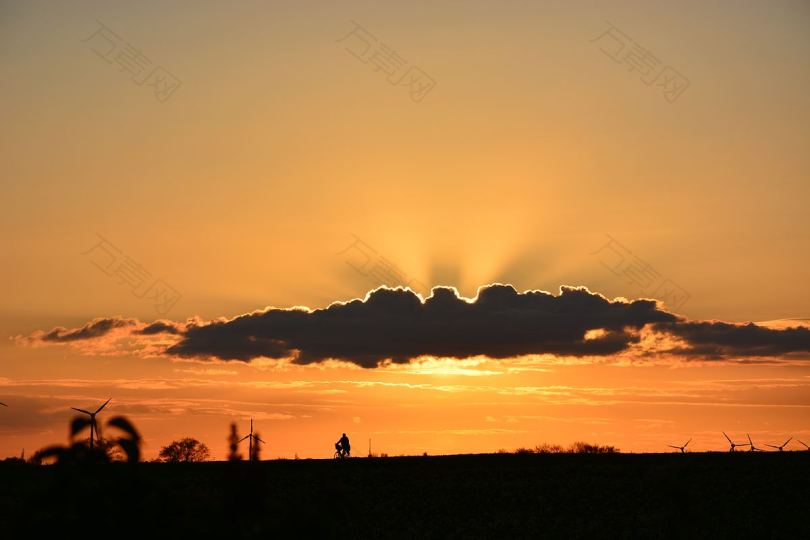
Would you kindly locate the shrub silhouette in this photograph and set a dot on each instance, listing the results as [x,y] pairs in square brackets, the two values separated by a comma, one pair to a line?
[546,448]
[111,448]
[126,446]
[578,447]
[186,450]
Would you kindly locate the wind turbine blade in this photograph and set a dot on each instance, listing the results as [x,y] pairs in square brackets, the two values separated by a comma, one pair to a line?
[82,411]
[772,446]
[750,443]
[243,438]
[787,441]
[105,404]
[726,436]
[797,440]
[260,440]
[687,443]
[678,447]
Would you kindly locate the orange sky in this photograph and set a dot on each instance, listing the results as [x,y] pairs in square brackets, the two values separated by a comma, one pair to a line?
[284,167]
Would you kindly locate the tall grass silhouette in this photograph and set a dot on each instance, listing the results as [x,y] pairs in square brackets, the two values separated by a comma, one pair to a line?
[127,441]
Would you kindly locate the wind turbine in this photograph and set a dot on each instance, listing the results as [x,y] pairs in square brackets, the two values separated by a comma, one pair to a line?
[681,448]
[732,443]
[751,445]
[781,447]
[250,436]
[93,424]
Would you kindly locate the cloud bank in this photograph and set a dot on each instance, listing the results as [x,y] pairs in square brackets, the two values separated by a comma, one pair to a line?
[94,329]
[397,326]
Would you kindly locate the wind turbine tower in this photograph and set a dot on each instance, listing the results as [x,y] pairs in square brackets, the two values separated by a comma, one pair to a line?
[93,424]
[250,436]
[732,444]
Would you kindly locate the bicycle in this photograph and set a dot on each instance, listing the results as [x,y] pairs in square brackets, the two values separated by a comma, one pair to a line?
[340,454]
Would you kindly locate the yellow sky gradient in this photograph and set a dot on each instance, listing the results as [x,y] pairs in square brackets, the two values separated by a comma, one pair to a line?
[243,188]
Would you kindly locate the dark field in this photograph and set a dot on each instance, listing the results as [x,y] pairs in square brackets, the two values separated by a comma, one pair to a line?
[497,496]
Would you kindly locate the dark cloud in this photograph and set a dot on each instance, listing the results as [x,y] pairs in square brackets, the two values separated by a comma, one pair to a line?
[94,329]
[396,325]
[720,339]
[161,327]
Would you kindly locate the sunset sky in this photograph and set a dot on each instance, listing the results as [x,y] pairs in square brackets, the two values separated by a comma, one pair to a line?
[194,162]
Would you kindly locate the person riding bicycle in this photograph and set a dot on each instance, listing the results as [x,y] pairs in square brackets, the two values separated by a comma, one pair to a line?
[343,447]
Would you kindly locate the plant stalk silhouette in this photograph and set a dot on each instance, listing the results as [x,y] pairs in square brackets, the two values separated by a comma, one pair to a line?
[233,444]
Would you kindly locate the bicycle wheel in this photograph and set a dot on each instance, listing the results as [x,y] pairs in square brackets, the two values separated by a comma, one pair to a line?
[337,455]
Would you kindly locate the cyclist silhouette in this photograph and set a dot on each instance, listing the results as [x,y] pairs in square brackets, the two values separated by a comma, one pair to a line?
[342,447]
